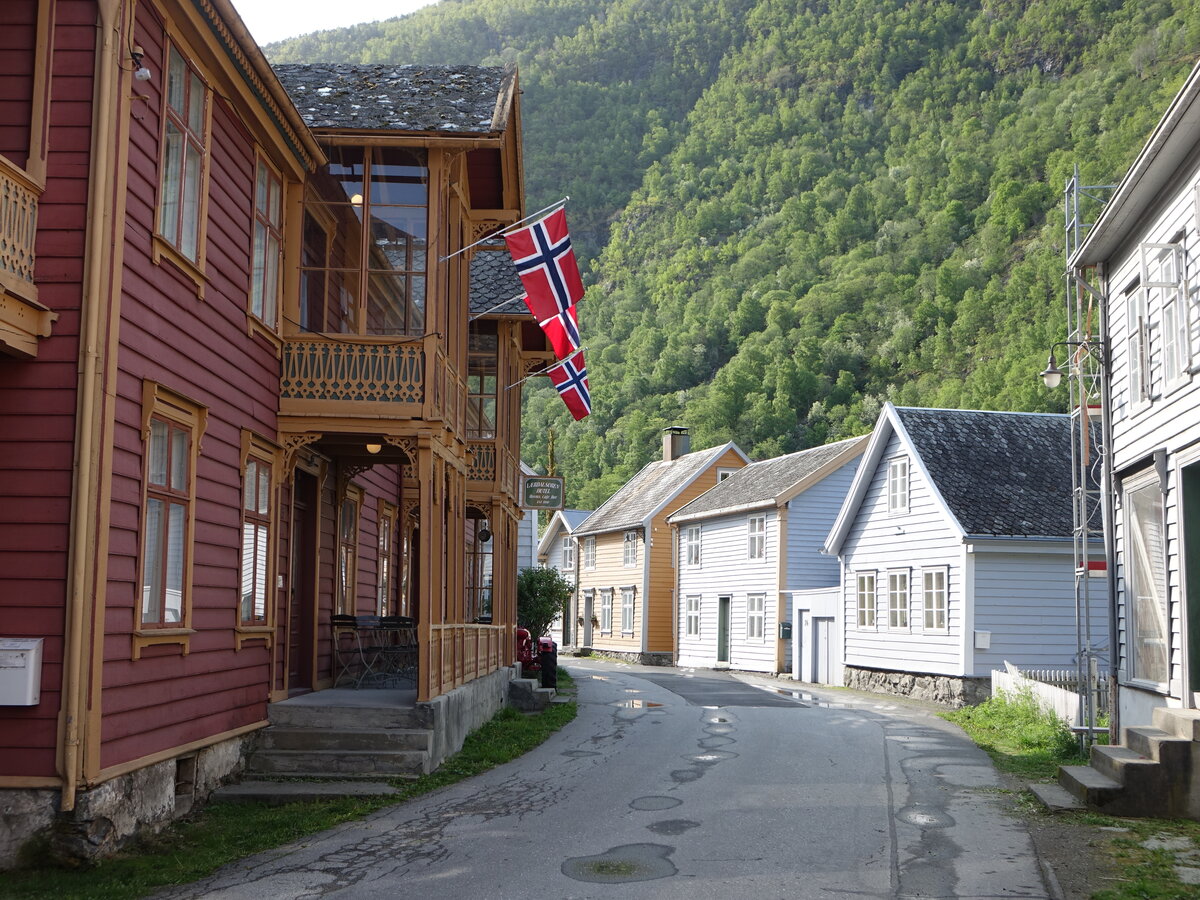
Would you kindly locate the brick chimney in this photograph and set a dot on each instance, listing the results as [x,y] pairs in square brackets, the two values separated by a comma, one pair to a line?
[675,442]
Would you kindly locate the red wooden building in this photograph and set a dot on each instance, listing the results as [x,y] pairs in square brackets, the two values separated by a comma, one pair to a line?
[246,384]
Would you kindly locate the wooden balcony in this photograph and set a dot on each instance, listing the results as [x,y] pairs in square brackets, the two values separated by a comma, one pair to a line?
[492,468]
[356,378]
[23,320]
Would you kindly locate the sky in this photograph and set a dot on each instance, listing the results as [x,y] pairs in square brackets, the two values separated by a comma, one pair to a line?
[274,20]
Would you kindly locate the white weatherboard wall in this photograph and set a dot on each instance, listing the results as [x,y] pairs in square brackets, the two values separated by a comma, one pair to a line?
[817,615]
[725,570]
[922,537]
[1169,421]
[1025,599]
[811,514]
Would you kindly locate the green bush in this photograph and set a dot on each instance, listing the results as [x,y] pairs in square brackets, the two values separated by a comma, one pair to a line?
[542,595]
[1020,735]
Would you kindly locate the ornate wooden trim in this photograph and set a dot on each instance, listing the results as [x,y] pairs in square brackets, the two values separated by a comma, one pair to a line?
[292,445]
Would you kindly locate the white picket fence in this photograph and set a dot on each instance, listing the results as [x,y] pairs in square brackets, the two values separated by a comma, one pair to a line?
[1055,689]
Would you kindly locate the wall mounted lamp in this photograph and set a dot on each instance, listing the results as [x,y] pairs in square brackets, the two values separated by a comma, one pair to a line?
[140,72]
[374,448]
[1052,375]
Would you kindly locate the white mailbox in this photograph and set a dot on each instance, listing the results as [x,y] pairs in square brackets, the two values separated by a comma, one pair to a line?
[20,671]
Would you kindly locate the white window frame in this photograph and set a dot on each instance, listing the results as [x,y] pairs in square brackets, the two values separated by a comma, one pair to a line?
[898,596]
[606,610]
[627,609]
[756,537]
[723,473]
[691,627]
[266,251]
[897,486]
[866,599]
[1163,286]
[935,599]
[692,546]
[756,615]
[1144,573]
[589,552]
[629,550]
[568,553]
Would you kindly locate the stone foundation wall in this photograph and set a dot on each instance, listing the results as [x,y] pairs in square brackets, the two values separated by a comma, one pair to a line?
[455,715]
[108,816]
[655,658]
[948,690]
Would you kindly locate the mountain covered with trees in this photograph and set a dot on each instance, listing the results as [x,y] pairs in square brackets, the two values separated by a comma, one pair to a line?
[789,212]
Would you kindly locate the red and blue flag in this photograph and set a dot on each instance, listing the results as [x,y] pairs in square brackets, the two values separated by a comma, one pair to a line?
[570,378]
[546,265]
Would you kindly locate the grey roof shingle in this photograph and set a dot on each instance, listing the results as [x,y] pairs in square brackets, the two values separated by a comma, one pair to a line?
[466,99]
[494,280]
[1003,474]
[761,483]
[646,491]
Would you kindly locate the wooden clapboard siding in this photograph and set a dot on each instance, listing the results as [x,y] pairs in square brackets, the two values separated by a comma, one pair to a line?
[1026,601]
[873,545]
[610,573]
[18,33]
[37,403]
[811,514]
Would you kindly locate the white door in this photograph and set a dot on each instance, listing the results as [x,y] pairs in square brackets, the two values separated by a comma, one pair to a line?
[823,629]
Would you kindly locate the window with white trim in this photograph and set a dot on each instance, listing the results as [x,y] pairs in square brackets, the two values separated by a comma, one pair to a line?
[589,552]
[1147,622]
[692,545]
[898,599]
[755,614]
[756,537]
[568,553]
[897,485]
[627,594]
[691,626]
[1162,283]
[933,596]
[385,593]
[629,553]
[865,599]
[184,157]
[606,610]
[345,601]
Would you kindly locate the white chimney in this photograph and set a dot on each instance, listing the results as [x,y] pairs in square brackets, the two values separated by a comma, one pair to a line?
[675,442]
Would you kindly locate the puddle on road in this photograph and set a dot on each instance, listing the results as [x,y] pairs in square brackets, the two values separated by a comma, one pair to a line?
[807,699]
[634,704]
[673,827]
[654,803]
[621,865]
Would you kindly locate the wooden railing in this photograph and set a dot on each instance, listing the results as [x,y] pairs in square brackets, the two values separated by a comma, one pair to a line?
[350,377]
[18,228]
[493,466]
[461,653]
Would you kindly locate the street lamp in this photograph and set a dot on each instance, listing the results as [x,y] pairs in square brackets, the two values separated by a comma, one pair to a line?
[1052,375]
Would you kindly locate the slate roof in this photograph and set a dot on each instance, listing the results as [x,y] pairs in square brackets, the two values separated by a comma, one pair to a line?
[458,99]
[646,491]
[494,280]
[1000,473]
[761,484]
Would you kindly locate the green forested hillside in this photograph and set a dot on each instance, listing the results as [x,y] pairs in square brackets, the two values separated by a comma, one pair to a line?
[793,211]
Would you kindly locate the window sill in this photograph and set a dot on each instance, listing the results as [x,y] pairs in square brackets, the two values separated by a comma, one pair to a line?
[191,270]
[144,639]
[245,633]
[255,326]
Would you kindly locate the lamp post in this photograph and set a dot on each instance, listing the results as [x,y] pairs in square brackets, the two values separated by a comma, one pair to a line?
[1088,378]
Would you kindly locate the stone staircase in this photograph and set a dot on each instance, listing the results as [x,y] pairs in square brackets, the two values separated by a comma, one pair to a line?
[321,749]
[1155,772]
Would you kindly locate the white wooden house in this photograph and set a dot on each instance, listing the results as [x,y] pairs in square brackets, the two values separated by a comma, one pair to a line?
[1140,257]
[955,544]
[556,549]
[744,546]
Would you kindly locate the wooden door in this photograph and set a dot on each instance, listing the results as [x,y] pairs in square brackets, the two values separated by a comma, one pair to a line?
[724,613]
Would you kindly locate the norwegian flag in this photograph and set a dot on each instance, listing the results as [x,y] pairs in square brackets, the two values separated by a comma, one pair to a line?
[570,378]
[546,263]
[562,331]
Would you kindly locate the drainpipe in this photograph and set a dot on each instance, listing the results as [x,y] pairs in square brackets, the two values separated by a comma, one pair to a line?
[84,515]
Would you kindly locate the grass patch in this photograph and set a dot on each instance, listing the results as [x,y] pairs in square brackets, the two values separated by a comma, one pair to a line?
[1147,872]
[1021,738]
[222,833]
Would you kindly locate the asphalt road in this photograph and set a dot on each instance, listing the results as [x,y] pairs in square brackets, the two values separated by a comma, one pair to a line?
[677,784]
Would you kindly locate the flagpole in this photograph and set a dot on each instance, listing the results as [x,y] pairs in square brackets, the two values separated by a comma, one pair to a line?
[507,229]
[545,371]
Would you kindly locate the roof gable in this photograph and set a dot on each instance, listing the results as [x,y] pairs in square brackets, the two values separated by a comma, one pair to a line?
[563,522]
[647,492]
[771,482]
[994,474]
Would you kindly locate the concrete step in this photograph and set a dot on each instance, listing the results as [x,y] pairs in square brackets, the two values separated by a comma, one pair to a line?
[1172,751]
[344,717]
[277,737]
[340,763]
[527,695]
[1088,785]
[1127,767]
[279,792]
[1056,798]
[1184,723]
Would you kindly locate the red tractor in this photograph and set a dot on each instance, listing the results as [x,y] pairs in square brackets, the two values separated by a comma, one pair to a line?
[532,658]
